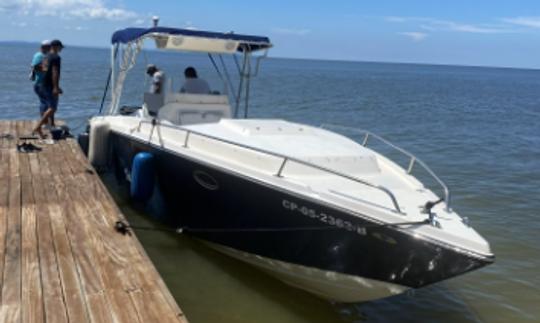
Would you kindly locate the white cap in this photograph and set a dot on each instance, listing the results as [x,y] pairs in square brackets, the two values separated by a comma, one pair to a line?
[46,42]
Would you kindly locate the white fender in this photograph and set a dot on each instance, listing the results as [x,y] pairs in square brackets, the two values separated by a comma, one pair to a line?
[98,148]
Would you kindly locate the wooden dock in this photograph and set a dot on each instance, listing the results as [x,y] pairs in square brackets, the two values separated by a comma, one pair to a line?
[61,259]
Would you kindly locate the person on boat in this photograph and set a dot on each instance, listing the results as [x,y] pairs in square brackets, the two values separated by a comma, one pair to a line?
[37,74]
[193,84]
[51,65]
[158,79]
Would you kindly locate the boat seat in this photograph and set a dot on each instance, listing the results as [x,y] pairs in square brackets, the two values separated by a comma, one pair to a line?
[184,108]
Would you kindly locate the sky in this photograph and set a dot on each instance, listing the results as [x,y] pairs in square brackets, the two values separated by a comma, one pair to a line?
[457,32]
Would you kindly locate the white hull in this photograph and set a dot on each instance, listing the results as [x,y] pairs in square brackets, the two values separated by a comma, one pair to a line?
[329,285]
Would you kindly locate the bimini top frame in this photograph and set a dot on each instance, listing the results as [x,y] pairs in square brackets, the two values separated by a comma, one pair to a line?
[127,43]
[194,40]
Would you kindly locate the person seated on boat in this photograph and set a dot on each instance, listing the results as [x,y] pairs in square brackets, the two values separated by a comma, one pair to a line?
[193,84]
[158,79]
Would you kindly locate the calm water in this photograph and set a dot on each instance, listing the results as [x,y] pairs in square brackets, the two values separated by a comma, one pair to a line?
[478,128]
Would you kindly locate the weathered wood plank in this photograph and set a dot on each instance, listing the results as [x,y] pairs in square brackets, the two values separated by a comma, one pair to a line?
[13,162]
[123,252]
[54,160]
[80,237]
[53,296]
[24,164]
[3,132]
[4,207]
[152,307]
[9,313]
[112,248]
[32,299]
[71,285]
[43,162]
[99,308]
[33,161]
[11,288]
[136,253]
[4,162]
[123,309]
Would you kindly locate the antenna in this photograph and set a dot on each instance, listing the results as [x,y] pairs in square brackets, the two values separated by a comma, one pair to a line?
[155,20]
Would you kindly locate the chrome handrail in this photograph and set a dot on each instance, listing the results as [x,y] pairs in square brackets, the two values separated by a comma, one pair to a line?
[285,158]
[413,159]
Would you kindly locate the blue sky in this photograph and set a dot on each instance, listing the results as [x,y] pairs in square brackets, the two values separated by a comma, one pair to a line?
[487,33]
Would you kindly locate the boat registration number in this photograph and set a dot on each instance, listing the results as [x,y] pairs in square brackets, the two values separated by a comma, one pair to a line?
[323,217]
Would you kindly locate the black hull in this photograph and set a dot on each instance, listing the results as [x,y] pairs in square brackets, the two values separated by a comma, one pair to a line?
[229,209]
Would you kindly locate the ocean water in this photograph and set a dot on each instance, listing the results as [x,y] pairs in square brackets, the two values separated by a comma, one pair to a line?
[478,129]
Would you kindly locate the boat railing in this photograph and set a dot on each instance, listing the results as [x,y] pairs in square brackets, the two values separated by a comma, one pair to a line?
[285,159]
[413,160]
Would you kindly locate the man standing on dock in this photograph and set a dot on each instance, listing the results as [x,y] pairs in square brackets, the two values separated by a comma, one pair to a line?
[37,74]
[51,84]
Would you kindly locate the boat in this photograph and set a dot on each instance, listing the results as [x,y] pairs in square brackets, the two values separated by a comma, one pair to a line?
[307,204]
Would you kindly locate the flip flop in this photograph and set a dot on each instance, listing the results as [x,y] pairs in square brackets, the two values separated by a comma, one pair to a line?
[28,148]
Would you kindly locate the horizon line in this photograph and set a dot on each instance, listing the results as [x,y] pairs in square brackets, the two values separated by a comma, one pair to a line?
[314,59]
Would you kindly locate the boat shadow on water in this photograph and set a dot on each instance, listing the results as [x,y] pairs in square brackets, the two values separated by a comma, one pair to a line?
[437,303]
[210,286]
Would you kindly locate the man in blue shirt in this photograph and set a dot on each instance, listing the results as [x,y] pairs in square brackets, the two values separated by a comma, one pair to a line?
[51,84]
[37,74]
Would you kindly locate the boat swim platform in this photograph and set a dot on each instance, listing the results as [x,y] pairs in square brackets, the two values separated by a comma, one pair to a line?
[61,259]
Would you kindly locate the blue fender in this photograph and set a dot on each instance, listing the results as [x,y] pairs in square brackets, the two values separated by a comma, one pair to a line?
[142,176]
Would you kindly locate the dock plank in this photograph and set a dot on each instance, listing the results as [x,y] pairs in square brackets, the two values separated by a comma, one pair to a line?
[11,288]
[31,282]
[53,295]
[68,274]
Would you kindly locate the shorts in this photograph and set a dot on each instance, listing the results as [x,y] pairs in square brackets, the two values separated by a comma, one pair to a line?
[46,98]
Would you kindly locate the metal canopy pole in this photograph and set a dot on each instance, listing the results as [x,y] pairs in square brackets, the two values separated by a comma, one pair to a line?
[216,67]
[114,50]
[228,77]
[242,75]
[248,81]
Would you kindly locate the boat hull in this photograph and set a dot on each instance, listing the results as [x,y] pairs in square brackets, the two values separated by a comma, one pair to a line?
[330,285]
[260,223]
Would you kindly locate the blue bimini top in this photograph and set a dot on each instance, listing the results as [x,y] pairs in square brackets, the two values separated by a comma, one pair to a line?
[245,42]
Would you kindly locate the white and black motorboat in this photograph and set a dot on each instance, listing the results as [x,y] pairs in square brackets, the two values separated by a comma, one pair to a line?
[306,204]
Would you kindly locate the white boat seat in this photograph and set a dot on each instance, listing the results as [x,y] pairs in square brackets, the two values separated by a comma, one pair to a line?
[184,108]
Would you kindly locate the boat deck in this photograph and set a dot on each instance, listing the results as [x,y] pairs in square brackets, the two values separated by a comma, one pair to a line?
[61,259]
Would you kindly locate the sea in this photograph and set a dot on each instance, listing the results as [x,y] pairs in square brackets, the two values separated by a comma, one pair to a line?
[478,128]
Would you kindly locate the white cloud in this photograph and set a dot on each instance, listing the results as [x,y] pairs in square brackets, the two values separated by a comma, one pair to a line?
[432,24]
[85,9]
[102,13]
[140,22]
[533,22]
[468,28]
[21,24]
[291,31]
[414,35]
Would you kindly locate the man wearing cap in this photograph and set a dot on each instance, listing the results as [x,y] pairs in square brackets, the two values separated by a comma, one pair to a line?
[51,84]
[37,74]
[158,79]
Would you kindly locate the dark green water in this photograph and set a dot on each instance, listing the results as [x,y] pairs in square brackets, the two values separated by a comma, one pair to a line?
[478,128]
